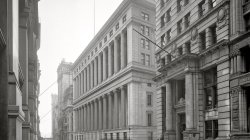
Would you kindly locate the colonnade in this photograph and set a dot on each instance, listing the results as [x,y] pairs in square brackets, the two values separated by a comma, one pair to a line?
[111,60]
[104,113]
[190,91]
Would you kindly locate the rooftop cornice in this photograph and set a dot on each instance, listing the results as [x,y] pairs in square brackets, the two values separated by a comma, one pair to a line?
[105,28]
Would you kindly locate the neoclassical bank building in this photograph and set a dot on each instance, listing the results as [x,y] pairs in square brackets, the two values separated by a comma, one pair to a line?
[112,78]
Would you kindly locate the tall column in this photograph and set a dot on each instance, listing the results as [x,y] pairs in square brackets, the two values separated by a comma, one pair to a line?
[104,64]
[91,115]
[110,111]
[84,118]
[80,119]
[82,73]
[116,109]
[96,71]
[91,74]
[75,120]
[88,77]
[116,54]
[235,63]
[85,79]
[122,112]
[74,88]
[100,113]
[169,107]
[123,50]
[110,60]
[105,120]
[239,64]
[189,97]
[82,108]
[77,86]
[88,116]
[96,114]
[100,68]
[208,38]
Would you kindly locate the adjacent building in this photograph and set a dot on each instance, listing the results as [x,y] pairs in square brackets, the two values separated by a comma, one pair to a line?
[112,78]
[55,116]
[62,115]
[193,72]
[240,69]
[19,70]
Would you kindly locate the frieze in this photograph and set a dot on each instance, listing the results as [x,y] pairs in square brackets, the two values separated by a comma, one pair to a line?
[234,83]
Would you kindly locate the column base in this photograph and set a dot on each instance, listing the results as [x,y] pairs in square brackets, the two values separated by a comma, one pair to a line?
[169,135]
[191,135]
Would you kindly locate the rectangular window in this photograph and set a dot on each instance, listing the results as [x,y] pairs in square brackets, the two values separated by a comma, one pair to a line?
[147,45]
[210,89]
[201,8]
[124,19]
[180,5]
[143,58]
[147,63]
[211,129]
[188,47]
[168,35]
[187,20]
[168,15]
[147,30]
[96,49]
[117,136]
[163,41]
[202,40]
[163,2]
[142,29]
[125,135]
[145,16]
[247,20]
[180,91]
[179,26]
[245,59]
[149,99]
[149,118]
[163,20]
[214,34]
[143,43]
[92,53]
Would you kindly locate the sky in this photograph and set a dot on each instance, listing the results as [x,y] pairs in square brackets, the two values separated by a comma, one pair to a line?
[67,26]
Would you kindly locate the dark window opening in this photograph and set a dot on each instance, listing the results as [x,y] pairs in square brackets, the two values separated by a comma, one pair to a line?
[247,21]
[245,59]
[180,91]
[169,58]
[163,61]
[163,42]
[180,51]
[214,34]
[211,129]
[179,26]
[163,20]
[202,40]
[188,47]
[149,99]
[149,118]
[187,20]
[125,135]
[201,8]
[210,89]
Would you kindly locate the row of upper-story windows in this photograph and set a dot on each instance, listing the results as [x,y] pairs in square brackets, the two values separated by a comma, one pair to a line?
[166,17]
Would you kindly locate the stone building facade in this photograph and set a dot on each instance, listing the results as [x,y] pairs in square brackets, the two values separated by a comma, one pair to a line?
[65,99]
[55,116]
[193,69]
[240,69]
[112,78]
[19,70]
